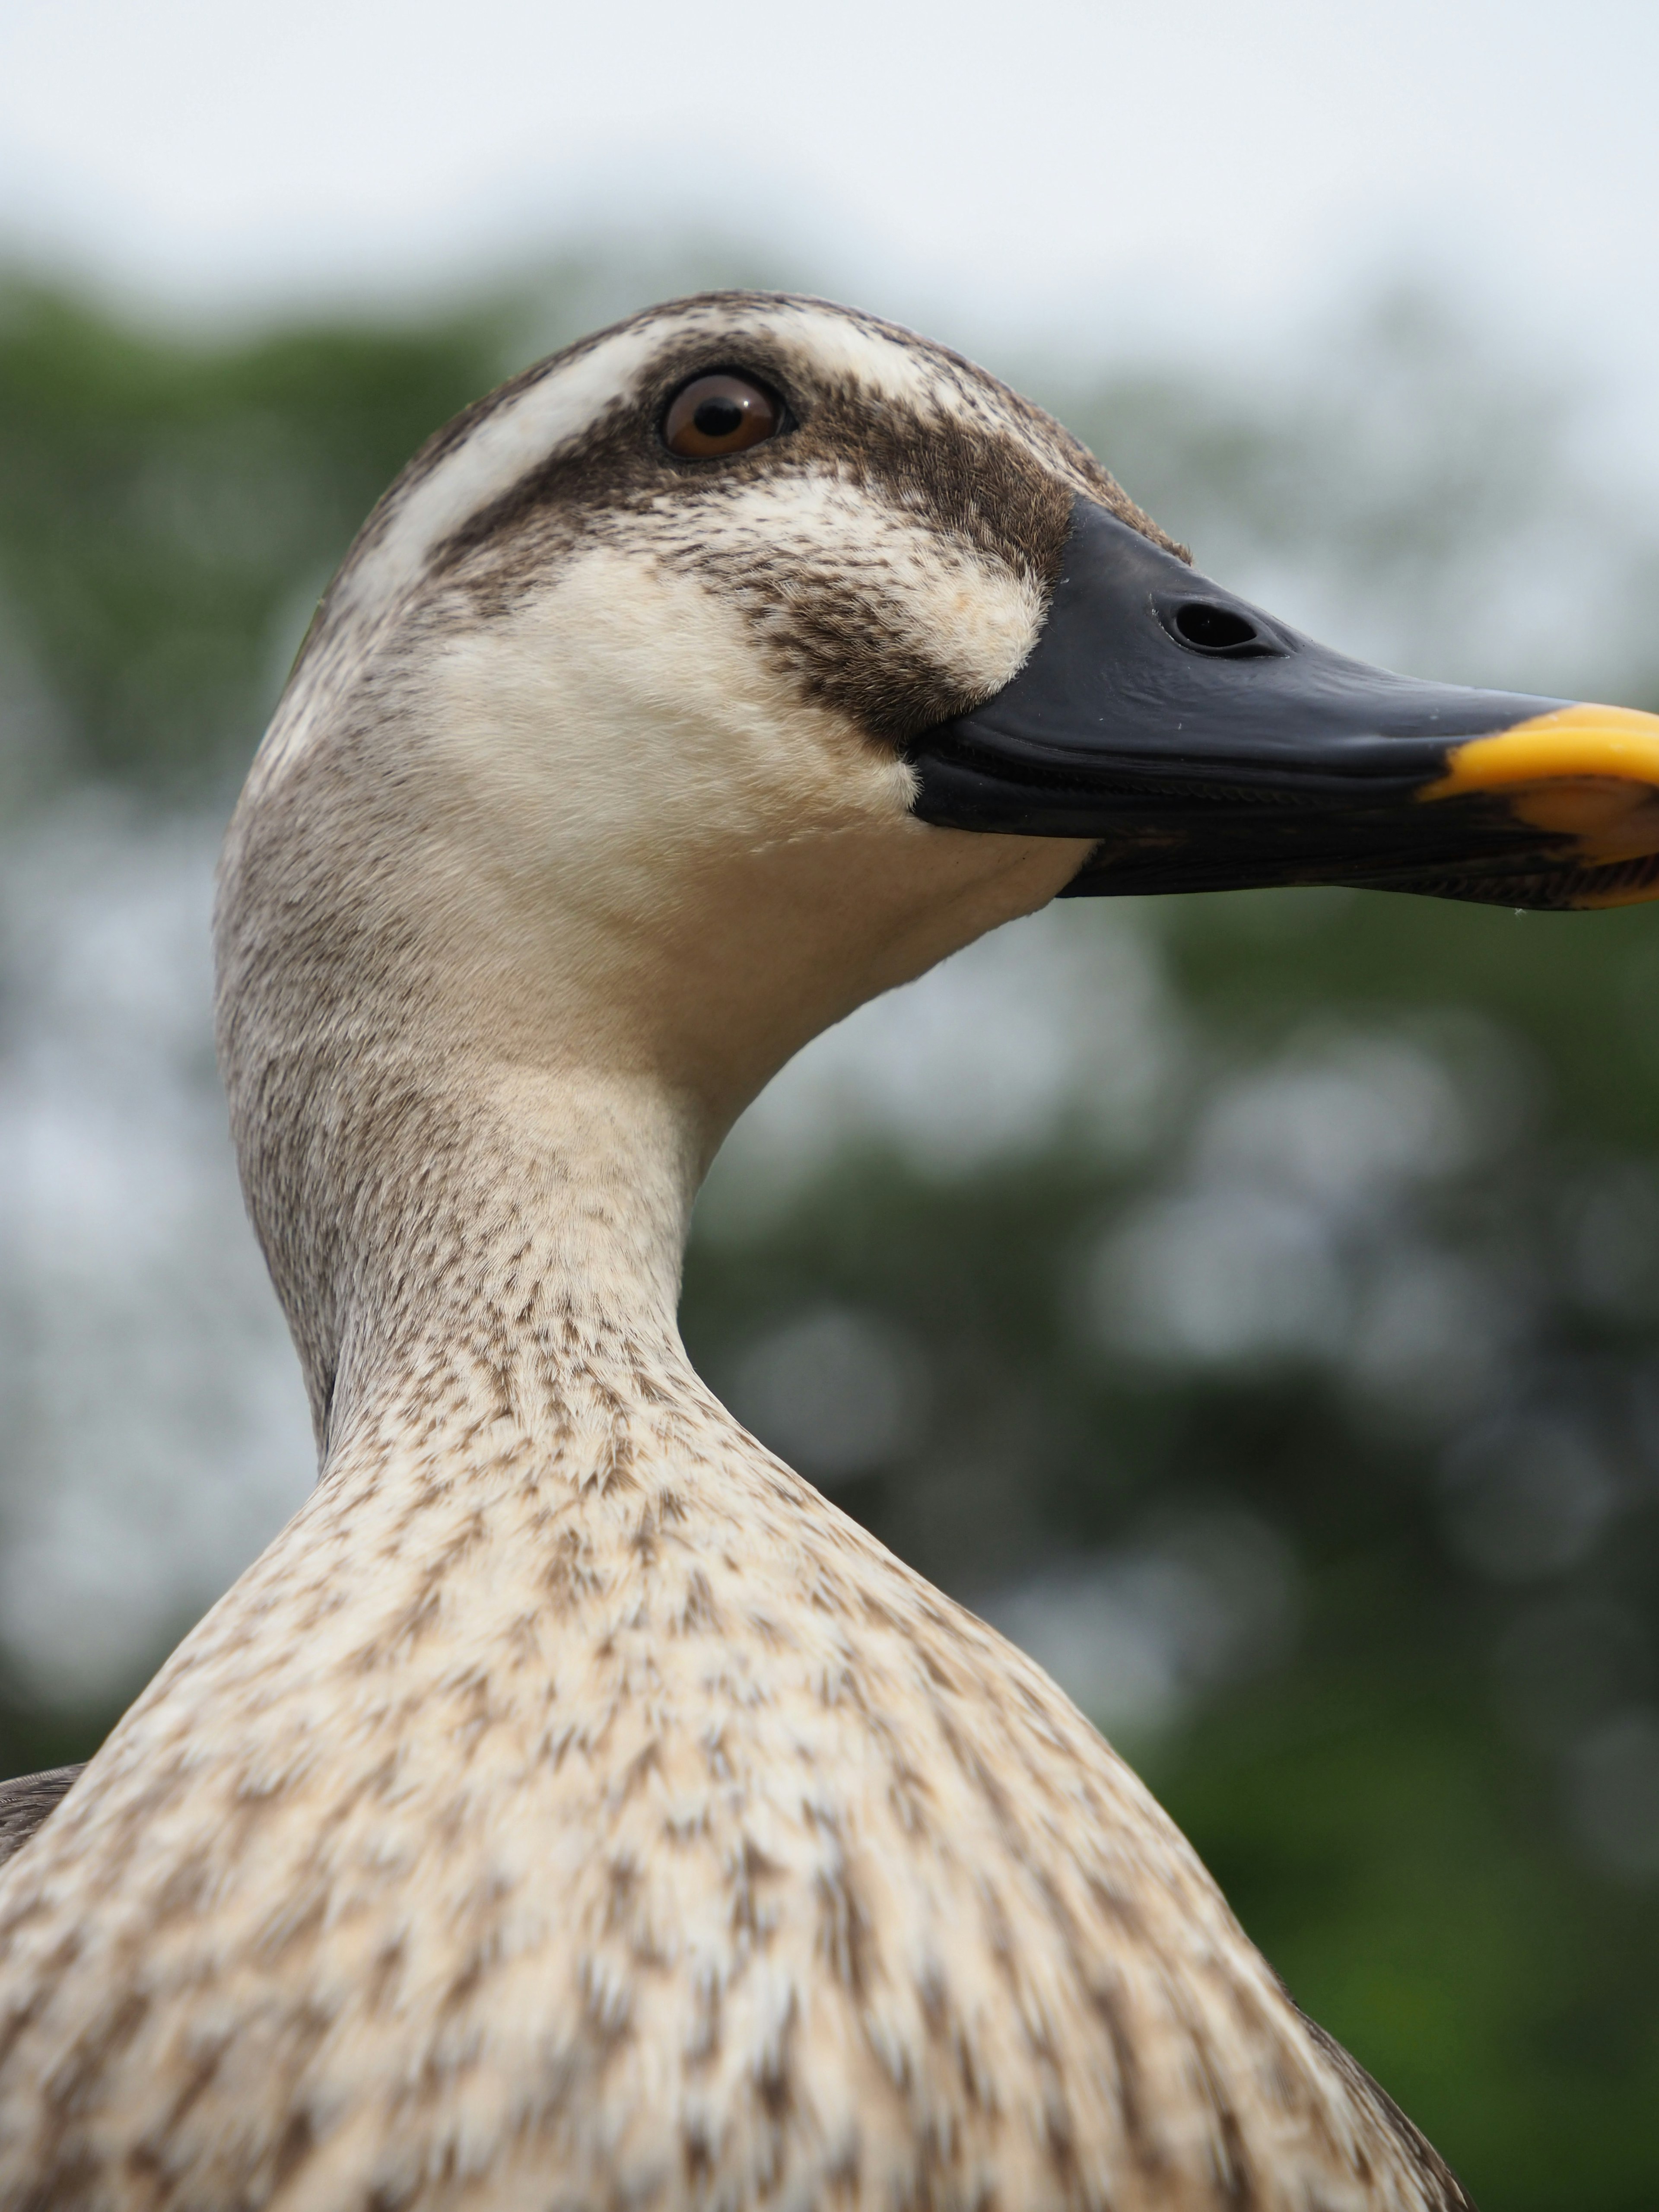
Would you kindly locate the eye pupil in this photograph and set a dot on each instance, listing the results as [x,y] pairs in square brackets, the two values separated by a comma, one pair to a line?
[719,418]
[714,416]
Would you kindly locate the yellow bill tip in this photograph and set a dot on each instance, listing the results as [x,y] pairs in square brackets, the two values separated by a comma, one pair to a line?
[1584,772]
[1617,742]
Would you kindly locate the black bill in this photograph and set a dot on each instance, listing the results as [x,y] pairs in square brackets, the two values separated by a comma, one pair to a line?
[1208,747]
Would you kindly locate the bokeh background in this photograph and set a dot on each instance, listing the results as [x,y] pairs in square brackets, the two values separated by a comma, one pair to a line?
[1251,1303]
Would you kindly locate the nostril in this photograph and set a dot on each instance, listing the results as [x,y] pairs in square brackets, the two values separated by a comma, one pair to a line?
[1211,628]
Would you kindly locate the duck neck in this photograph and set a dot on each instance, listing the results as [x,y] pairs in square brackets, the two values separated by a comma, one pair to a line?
[495,1243]
[482,1033]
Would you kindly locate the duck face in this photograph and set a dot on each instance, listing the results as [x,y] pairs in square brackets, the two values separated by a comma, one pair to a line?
[744,659]
[612,705]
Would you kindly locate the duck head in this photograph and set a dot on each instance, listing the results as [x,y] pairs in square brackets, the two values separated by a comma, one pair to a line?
[742,661]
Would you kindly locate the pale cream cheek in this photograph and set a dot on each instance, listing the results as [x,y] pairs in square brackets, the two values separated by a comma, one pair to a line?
[628,723]
[624,792]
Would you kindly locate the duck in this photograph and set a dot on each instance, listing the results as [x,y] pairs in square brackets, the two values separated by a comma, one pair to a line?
[572,1808]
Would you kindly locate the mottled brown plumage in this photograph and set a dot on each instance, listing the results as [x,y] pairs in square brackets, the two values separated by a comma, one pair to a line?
[572,1809]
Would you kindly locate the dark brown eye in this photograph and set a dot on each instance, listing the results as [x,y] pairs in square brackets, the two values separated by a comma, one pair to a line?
[713,415]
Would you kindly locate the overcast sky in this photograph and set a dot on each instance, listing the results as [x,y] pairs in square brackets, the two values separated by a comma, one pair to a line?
[1182,169]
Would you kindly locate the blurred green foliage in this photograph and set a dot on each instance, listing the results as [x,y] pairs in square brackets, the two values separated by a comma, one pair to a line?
[1431,1784]
[169,511]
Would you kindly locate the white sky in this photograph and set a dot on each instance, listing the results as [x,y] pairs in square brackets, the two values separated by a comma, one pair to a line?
[1182,169]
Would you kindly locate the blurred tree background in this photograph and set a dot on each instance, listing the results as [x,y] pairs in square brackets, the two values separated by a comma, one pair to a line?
[1251,1303]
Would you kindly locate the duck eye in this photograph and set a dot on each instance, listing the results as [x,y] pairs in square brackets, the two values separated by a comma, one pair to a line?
[713,415]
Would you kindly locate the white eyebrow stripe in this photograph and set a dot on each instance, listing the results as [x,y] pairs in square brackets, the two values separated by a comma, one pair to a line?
[557,408]
[495,454]
[878,359]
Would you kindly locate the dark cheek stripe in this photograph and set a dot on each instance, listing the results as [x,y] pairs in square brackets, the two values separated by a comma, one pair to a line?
[849,644]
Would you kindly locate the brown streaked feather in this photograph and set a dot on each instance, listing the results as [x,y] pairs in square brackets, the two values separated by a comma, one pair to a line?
[28,1801]
[1442,2190]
